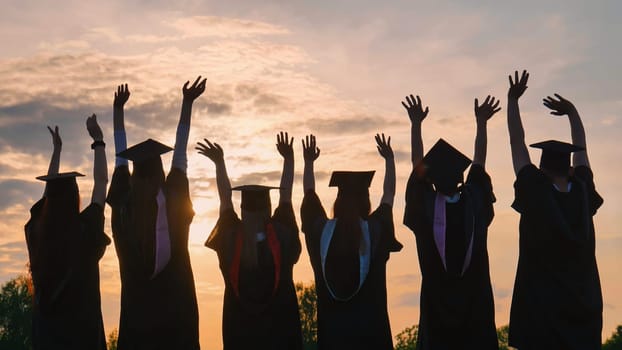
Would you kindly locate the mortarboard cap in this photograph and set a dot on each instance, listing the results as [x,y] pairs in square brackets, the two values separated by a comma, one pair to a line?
[255,197]
[445,166]
[144,151]
[352,181]
[556,155]
[59,176]
[61,184]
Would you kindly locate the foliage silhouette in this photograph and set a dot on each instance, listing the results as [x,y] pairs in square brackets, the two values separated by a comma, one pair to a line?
[407,338]
[307,307]
[16,299]
[113,338]
[615,341]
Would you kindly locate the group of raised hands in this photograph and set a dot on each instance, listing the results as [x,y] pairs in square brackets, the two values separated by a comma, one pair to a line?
[413,105]
[490,106]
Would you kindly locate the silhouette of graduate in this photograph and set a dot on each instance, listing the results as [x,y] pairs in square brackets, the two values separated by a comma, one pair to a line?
[557,301]
[349,253]
[151,216]
[257,254]
[64,248]
[450,219]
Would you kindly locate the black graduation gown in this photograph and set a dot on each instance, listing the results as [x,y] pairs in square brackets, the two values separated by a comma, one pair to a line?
[261,317]
[557,301]
[363,321]
[457,310]
[158,313]
[67,308]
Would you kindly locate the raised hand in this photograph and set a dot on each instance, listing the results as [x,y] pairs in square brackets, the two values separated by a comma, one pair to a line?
[415,109]
[559,107]
[284,145]
[93,128]
[310,151]
[121,95]
[211,150]
[487,109]
[384,146]
[518,87]
[195,90]
[57,142]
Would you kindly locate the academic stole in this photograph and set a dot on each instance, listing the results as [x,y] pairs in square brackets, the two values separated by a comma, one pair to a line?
[275,249]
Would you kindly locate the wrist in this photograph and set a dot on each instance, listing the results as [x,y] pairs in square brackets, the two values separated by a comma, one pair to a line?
[97,143]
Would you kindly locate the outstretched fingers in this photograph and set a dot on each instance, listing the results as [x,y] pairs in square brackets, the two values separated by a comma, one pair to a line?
[383,144]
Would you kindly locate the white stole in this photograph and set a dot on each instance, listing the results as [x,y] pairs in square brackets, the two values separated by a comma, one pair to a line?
[162,237]
[364,257]
[440,234]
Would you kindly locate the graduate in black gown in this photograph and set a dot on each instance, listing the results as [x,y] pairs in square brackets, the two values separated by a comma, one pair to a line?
[64,248]
[349,254]
[151,217]
[257,254]
[557,301]
[450,219]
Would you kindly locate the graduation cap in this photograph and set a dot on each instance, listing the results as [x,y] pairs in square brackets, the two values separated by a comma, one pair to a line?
[556,156]
[59,176]
[445,166]
[255,197]
[351,182]
[61,184]
[144,151]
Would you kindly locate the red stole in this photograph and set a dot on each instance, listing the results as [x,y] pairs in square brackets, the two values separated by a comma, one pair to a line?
[275,249]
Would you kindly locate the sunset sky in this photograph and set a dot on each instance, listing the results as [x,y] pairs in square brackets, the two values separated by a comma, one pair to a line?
[337,69]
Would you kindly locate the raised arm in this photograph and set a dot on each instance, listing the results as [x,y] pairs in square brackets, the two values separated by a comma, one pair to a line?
[118,121]
[214,152]
[100,168]
[385,150]
[57,142]
[482,114]
[565,107]
[310,153]
[180,158]
[417,114]
[285,147]
[520,154]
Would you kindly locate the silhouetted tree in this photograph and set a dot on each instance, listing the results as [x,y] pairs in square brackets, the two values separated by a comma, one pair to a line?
[113,338]
[307,306]
[502,336]
[407,338]
[16,314]
[615,341]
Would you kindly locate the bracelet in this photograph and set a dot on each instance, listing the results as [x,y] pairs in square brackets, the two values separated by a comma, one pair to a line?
[97,143]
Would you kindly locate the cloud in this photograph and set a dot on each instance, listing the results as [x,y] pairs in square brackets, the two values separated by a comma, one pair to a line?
[410,299]
[13,259]
[408,279]
[216,108]
[347,124]
[502,293]
[267,177]
[206,26]
[15,191]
